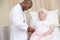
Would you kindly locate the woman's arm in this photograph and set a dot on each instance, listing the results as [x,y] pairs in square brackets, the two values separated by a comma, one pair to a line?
[49,31]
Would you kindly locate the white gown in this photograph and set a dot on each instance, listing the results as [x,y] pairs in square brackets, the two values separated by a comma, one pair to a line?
[18,24]
[40,28]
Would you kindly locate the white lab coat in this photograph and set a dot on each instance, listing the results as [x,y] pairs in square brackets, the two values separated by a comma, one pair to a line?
[18,24]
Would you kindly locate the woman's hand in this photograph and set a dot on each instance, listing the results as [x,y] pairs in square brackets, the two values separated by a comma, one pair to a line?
[49,31]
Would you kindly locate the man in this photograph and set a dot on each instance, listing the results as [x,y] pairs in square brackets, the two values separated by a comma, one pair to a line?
[18,21]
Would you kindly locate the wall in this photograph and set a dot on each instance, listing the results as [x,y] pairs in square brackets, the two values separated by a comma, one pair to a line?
[6,5]
[4,12]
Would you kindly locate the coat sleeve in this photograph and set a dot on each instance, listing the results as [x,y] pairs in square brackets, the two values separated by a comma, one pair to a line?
[17,19]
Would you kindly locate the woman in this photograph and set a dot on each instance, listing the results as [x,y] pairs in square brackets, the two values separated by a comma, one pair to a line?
[43,27]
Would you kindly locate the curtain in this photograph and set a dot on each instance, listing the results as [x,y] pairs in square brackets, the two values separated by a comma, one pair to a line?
[6,5]
[37,4]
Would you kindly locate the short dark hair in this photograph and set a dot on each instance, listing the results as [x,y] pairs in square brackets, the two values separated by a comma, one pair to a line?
[27,0]
[26,3]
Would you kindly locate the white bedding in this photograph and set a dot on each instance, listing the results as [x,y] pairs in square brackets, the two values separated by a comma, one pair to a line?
[56,34]
[53,16]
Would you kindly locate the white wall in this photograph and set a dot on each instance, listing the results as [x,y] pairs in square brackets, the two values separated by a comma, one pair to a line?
[4,12]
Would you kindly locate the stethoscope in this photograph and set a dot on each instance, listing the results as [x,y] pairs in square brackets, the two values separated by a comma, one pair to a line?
[23,17]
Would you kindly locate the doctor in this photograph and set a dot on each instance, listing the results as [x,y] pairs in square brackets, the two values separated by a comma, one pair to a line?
[18,21]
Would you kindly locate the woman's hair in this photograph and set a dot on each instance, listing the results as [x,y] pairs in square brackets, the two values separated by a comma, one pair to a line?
[43,10]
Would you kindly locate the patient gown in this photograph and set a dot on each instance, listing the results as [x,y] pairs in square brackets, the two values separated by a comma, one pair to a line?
[40,28]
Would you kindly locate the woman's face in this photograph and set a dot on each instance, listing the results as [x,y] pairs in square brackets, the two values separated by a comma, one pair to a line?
[42,15]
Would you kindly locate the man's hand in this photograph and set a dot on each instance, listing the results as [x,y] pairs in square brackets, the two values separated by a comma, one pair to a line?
[30,29]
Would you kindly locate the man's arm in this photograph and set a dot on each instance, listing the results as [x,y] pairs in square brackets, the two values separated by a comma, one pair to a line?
[17,21]
[17,18]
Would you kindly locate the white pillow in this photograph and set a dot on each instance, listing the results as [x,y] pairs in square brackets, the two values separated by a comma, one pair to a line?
[52,16]
[34,16]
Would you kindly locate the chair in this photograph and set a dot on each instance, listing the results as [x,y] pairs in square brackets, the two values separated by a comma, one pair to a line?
[4,32]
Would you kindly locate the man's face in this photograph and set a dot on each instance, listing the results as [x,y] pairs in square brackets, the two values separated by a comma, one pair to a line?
[42,15]
[27,5]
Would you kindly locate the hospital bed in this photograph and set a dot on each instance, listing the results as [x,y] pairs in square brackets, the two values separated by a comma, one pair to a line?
[5,33]
[53,17]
